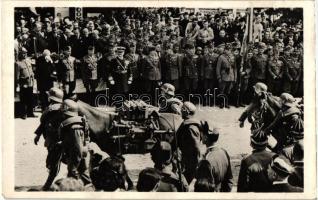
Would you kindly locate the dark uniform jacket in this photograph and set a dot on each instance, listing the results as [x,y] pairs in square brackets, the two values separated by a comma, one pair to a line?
[151,69]
[259,63]
[134,63]
[247,68]
[285,187]
[208,66]
[120,71]
[171,67]
[190,66]
[66,69]
[226,69]
[221,168]
[253,172]
[25,73]
[275,69]
[38,42]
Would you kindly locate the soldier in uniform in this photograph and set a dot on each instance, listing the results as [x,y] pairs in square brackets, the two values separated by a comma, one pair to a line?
[151,71]
[219,160]
[66,72]
[75,137]
[278,172]
[50,122]
[292,74]
[253,172]
[245,73]
[169,103]
[134,63]
[208,69]
[89,72]
[226,72]
[171,67]
[120,76]
[161,155]
[281,126]
[275,72]
[259,63]
[25,76]
[189,140]
[189,72]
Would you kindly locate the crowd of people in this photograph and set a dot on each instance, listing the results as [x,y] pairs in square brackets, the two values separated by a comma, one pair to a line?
[138,51]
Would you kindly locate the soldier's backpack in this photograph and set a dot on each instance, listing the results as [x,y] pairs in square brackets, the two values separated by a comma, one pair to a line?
[77,122]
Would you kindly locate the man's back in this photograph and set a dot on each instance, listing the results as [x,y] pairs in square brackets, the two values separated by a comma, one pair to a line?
[220,163]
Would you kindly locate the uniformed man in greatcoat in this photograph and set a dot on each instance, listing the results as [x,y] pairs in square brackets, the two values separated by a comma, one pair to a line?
[25,76]
[66,71]
[89,72]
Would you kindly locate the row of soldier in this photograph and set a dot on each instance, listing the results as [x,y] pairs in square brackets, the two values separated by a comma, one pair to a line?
[220,69]
[193,158]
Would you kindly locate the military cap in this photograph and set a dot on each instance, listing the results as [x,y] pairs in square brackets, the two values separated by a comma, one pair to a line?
[262,45]
[120,49]
[199,48]
[147,180]
[258,139]
[68,184]
[70,107]
[280,166]
[222,45]
[189,46]
[67,48]
[287,99]
[213,133]
[260,87]
[189,107]
[56,94]
[287,48]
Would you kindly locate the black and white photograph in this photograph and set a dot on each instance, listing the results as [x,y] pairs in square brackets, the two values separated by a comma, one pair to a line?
[159,99]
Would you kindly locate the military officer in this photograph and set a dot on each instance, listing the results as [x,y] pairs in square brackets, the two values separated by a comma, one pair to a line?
[245,73]
[189,140]
[134,62]
[259,63]
[89,71]
[171,68]
[169,103]
[219,160]
[208,69]
[189,71]
[253,172]
[66,71]
[75,137]
[292,74]
[226,72]
[151,71]
[25,76]
[49,124]
[120,76]
[275,72]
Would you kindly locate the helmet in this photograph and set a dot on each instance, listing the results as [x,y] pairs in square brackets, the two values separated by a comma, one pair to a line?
[287,99]
[260,87]
[56,94]
[70,108]
[189,107]
[167,88]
